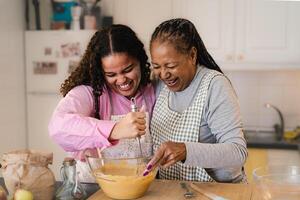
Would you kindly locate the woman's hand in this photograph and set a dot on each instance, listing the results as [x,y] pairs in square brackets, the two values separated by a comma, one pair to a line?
[131,126]
[167,154]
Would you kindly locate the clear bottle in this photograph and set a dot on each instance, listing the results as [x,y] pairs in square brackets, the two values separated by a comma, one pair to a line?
[71,187]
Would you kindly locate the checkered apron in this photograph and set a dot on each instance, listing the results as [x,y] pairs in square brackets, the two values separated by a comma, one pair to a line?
[169,125]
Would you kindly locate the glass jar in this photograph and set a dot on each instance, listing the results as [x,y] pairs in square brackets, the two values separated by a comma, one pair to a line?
[71,187]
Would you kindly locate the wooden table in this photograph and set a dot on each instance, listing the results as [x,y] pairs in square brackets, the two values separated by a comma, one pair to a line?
[171,190]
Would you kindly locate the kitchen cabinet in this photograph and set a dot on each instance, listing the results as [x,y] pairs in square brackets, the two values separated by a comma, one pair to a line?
[142,15]
[246,34]
[263,157]
[287,157]
[240,34]
[214,21]
[256,158]
[268,31]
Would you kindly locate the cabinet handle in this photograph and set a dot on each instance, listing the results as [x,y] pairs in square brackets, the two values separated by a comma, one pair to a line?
[240,57]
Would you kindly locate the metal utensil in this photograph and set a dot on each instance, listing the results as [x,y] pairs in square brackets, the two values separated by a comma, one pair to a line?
[188,194]
[135,109]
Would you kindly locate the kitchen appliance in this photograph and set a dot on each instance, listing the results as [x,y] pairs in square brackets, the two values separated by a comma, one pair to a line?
[50,57]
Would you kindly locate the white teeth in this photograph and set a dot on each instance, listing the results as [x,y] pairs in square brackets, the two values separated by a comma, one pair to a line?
[171,83]
[124,86]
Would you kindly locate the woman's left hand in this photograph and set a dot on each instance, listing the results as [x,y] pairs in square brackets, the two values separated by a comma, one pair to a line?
[167,154]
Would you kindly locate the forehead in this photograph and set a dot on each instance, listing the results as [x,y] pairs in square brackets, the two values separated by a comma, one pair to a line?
[163,50]
[117,60]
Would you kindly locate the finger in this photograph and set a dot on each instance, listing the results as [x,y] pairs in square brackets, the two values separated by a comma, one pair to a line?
[140,121]
[171,160]
[143,108]
[140,115]
[141,133]
[155,161]
[141,128]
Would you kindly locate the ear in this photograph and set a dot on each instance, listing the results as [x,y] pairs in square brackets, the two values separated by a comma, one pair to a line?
[193,55]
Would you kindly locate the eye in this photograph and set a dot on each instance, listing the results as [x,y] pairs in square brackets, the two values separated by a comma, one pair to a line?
[110,75]
[171,65]
[155,66]
[128,69]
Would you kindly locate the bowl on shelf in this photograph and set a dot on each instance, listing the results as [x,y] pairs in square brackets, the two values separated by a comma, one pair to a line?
[121,178]
[278,182]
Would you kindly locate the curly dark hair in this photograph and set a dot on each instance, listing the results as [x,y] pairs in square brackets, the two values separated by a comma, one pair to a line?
[183,35]
[114,39]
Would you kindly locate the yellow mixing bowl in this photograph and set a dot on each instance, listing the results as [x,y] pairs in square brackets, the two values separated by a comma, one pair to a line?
[122,178]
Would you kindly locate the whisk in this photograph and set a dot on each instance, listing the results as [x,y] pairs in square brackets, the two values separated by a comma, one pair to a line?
[134,108]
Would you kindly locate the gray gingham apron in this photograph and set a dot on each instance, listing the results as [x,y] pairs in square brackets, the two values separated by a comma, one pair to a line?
[169,125]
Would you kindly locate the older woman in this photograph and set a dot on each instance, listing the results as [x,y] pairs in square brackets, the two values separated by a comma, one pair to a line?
[196,124]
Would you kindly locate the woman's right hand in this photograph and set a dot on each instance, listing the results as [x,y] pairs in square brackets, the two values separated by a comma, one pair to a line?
[131,126]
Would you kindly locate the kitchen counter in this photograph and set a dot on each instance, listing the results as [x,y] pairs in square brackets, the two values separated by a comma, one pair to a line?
[265,144]
[171,190]
[268,140]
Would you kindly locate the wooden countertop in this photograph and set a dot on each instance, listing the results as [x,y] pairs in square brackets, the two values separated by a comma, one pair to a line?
[171,190]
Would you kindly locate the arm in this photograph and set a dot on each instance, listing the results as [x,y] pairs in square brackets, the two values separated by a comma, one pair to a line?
[222,143]
[72,126]
[222,121]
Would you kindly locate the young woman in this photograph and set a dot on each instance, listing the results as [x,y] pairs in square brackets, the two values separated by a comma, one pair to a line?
[96,109]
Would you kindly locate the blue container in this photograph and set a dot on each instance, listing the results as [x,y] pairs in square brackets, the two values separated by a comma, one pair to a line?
[62,11]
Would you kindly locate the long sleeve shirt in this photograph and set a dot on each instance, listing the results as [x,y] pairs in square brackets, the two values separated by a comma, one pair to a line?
[73,126]
[222,149]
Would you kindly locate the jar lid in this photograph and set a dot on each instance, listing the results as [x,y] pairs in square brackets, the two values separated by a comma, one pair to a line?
[69,161]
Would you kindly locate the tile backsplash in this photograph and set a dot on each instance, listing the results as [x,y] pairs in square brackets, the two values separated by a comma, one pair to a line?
[279,88]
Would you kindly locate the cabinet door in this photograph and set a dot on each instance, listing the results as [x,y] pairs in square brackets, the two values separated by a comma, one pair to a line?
[283,157]
[39,110]
[256,158]
[268,31]
[142,15]
[214,21]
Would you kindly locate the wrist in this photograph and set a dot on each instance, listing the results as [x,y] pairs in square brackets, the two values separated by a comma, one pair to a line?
[183,149]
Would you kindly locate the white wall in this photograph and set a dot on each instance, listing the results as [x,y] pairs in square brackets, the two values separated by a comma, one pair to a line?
[12,76]
[280,88]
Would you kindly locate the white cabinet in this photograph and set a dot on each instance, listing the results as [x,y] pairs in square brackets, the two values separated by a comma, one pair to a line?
[142,15]
[283,157]
[214,21]
[246,34]
[268,31]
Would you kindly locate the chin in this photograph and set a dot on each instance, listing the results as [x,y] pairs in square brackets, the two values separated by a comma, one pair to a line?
[128,94]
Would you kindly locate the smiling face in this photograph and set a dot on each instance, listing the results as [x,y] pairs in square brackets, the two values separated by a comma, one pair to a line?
[175,69]
[122,73]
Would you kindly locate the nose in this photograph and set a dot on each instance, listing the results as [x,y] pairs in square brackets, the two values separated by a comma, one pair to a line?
[164,73]
[121,79]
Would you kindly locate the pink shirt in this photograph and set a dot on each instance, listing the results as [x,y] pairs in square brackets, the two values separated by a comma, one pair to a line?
[73,126]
